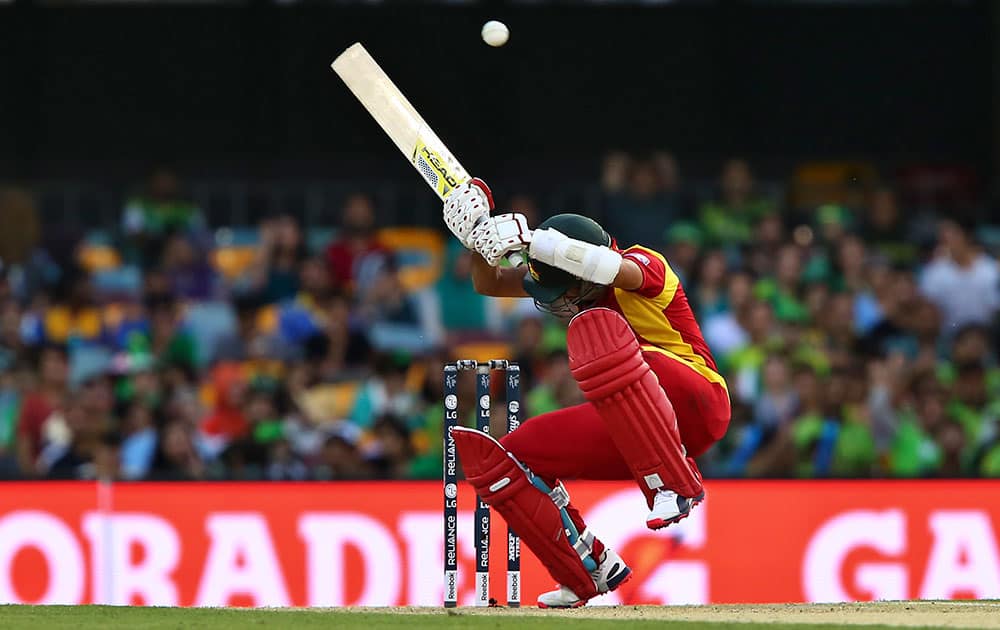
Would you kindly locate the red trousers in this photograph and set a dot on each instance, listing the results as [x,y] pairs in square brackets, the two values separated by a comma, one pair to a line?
[573,443]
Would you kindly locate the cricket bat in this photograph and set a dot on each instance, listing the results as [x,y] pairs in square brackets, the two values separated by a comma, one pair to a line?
[404,126]
[398,118]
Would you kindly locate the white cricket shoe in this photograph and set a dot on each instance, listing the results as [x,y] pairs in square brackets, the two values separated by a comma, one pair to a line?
[611,573]
[669,507]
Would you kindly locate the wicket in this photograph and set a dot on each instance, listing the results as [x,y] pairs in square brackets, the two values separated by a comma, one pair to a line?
[512,374]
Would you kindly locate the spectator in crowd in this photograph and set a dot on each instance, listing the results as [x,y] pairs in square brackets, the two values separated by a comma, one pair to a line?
[744,363]
[684,242]
[708,293]
[227,422]
[177,458]
[138,440]
[392,451]
[768,239]
[284,464]
[778,402]
[356,258]
[783,287]
[274,275]
[529,345]
[394,317]
[187,270]
[556,388]
[722,330]
[41,404]
[341,343]
[888,233]
[464,312]
[234,344]
[386,393]
[151,217]
[341,459]
[107,458]
[962,280]
[730,220]
[642,197]
[169,340]
[844,355]
[72,445]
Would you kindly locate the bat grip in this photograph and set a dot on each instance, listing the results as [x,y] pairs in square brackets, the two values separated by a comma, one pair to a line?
[516,259]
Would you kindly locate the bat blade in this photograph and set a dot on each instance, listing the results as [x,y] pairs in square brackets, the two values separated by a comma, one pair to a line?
[400,120]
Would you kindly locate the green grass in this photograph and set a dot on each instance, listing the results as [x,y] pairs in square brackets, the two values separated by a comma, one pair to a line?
[109,617]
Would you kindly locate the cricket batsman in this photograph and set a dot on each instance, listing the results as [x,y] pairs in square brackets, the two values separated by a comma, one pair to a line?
[655,399]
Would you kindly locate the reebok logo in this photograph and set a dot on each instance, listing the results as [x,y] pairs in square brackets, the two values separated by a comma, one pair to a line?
[638,257]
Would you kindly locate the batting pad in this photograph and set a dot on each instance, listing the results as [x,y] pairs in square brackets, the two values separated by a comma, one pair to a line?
[500,481]
[606,361]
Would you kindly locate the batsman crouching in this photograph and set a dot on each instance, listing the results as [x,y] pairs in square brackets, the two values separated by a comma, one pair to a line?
[655,399]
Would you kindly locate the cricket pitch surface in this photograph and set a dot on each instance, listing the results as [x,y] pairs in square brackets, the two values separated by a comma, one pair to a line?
[882,615]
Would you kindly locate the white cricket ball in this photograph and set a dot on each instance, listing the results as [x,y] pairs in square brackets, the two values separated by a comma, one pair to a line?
[495,33]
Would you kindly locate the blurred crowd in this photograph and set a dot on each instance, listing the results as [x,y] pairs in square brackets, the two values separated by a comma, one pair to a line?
[856,328]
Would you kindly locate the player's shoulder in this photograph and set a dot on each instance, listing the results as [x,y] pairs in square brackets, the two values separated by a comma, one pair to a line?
[642,254]
[647,257]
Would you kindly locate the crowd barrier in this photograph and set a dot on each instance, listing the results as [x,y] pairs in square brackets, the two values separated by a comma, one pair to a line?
[380,543]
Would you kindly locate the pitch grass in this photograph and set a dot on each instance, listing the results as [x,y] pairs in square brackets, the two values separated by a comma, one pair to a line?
[15,617]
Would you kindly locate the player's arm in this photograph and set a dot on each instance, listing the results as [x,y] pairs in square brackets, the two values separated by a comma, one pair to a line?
[629,276]
[497,281]
[593,263]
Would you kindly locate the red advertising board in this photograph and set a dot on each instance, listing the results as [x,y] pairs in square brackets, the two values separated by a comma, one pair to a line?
[313,544]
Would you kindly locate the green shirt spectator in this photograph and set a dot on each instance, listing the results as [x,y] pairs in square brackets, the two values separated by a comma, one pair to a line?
[149,218]
[726,226]
[729,221]
[854,450]
[786,304]
[913,452]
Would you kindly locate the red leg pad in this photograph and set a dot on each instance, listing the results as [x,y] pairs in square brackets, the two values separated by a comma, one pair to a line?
[502,484]
[606,360]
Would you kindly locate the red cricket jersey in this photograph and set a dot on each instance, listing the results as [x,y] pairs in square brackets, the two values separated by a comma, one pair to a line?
[659,314]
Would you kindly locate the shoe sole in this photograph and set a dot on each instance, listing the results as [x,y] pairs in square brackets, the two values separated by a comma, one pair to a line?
[660,523]
[579,604]
[624,577]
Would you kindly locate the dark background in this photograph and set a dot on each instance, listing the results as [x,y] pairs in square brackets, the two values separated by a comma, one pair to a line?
[106,92]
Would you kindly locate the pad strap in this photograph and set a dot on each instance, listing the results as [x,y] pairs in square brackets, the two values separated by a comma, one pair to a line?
[584,545]
[560,497]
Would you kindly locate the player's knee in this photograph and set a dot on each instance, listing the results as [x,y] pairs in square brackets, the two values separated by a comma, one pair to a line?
[604,355]
[596,332]
[514,443]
